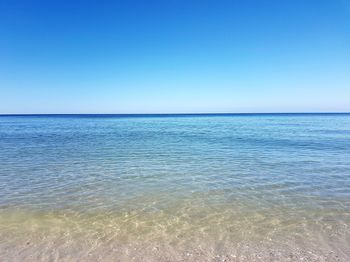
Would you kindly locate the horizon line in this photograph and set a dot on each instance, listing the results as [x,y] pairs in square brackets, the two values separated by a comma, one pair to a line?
[172,114]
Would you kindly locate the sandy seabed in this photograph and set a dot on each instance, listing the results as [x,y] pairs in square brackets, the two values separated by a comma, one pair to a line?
[64,248]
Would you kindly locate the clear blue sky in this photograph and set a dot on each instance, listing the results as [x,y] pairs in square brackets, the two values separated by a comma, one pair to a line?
[172,56]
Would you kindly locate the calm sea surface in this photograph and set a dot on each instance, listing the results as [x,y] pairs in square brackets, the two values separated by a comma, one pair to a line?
[159,188]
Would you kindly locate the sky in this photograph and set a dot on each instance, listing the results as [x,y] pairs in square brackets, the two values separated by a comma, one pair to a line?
[174,56]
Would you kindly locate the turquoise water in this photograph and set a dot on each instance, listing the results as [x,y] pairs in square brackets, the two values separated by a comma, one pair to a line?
[253,187]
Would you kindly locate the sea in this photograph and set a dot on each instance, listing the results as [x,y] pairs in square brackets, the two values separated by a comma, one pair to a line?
[175,187]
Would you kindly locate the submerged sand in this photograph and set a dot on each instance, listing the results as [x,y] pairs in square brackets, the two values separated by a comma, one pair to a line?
[161,236]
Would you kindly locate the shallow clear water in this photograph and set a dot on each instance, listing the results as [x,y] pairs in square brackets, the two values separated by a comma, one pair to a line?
[234,187]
